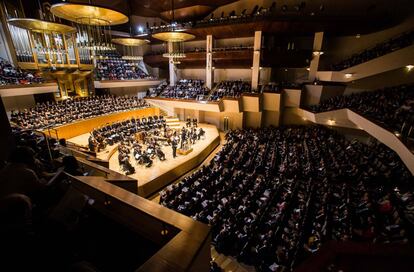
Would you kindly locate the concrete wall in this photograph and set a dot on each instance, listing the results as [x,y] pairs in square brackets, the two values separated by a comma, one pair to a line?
[388,79]
[270,118]
[251,103]
[248,111]
[219,74]
[297,75]
[339,48]
[314,94]
[198,73]
[252,119]
[18,102]
[291,116]
[217,119]
[140,91]
[291,98]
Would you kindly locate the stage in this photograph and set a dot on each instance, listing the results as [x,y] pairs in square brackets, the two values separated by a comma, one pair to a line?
[161,173]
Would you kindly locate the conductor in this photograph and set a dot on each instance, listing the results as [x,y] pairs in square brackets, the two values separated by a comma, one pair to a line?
[174,147]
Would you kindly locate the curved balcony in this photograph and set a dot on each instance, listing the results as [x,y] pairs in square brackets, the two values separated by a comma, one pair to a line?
[350,119]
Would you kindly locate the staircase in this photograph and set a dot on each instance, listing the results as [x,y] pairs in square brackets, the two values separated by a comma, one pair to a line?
[164,110]
[228,263]
[173,122]
[212,91]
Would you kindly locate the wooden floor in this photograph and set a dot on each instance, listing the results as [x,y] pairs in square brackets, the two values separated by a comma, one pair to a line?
[169,170]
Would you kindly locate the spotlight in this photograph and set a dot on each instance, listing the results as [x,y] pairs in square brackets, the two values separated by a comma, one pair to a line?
[358,36]
[348,75]
[409,67]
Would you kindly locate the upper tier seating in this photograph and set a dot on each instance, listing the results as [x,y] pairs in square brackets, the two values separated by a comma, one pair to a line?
[118,69]
[404,40]
[183,89]
[231,88]
[10,75]
[255,14]
[393,107]
[273,196]
[72,109]
[200,49]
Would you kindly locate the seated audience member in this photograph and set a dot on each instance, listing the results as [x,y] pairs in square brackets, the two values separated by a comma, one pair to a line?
[391,107]
[273,194]
[50,114]
[233,88]
[10,75]
[71,166]
[18,176]
[116,68]
[183,89]
[404,40]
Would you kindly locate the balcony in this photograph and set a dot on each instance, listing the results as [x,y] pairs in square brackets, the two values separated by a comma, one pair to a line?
[385,63]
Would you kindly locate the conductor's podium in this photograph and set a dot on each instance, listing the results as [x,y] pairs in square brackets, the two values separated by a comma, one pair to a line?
[184,151]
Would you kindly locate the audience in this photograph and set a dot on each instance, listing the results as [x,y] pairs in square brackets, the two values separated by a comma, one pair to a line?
[32,168]
[274,194]
[10,75]
[118,69]
[391,107]
[183,89]
[404,40]
[200,49]
[257,13]
[48,225]
[51,114]
[231,88]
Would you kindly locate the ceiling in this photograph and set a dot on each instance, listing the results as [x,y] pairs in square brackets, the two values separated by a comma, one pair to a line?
[289,15]
[184,9]
[197,9]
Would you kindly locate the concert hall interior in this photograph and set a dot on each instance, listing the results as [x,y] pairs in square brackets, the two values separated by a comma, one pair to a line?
[207,135]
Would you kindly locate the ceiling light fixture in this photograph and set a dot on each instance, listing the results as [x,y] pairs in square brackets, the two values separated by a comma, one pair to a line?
[93,25]
[175,39]
[174,34]
[409,67]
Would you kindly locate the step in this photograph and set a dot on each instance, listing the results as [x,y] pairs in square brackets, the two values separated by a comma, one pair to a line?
[172,120]
[175,125]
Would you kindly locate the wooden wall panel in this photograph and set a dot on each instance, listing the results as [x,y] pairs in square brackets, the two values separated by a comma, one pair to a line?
[86,126]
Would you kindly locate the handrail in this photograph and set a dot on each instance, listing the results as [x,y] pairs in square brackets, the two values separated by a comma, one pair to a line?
[185,242]
[381,134]
[33,85]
